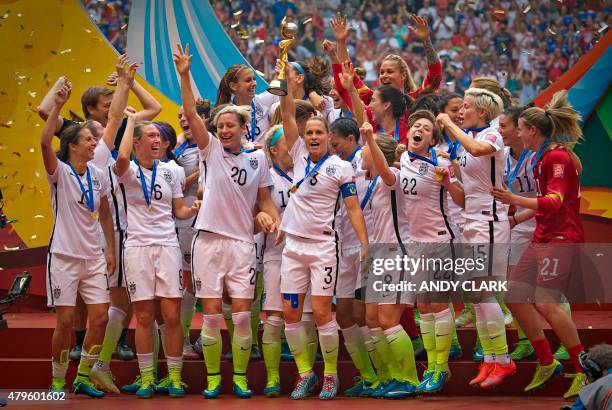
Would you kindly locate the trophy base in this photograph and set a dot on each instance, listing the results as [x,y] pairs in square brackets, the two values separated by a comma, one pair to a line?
[278,87]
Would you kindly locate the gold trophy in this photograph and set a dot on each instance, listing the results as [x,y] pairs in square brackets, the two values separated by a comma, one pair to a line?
[278,86]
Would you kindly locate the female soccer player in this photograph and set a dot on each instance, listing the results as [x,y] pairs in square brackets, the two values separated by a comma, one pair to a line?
[76,261]
[482,168]
[223,248]
[310,254]
[550,133]
[152,253]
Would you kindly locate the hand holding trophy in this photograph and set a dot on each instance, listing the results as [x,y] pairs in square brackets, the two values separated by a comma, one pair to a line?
[278,86]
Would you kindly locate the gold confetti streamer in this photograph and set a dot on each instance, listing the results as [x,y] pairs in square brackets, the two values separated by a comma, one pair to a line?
[7,124]
[31,150]
[237,13]
[124,27]
[259,41]
[39,216]
[33,237]
[32,94]
[66,51]
[88,31]
[17,153]
[235,25]
[11,248]
[6,15]
[87,70]
[551,31]
[308,20]
[603,28]
[527,9]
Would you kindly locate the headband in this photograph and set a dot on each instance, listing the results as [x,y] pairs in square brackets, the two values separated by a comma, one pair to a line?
[275,137]
[162,131]
[298,67]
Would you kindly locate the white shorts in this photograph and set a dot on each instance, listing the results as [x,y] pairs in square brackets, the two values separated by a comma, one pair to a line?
[116,279]
[153,271]
[309,263]
[220,261]
[490,241]
[519,242]
[67,275]
[272,296]
[185,238]
[348,273]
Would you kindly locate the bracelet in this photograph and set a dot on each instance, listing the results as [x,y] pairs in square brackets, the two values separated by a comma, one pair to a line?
[514,219]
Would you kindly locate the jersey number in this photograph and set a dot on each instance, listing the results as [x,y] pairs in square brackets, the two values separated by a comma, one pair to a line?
[282,195]
[527,183]
[239,175]
[313,179]
[252,276]
[82,200]
[328,275]
[409,186]
[462,161]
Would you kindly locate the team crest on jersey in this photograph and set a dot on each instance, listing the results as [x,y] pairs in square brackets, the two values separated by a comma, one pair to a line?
[254,163]
[95,183]
[132,287]
[187,257]
[57,292]
[423,169]
[167,176]
[330,170]
[198,284]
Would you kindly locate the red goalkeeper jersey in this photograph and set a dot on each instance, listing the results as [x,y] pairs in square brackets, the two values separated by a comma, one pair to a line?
[558,195]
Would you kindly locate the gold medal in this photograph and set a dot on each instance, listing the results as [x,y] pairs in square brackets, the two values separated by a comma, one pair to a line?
[94,215]
[438,176]
[293,189]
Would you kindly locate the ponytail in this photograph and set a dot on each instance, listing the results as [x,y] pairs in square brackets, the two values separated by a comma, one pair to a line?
[224,93]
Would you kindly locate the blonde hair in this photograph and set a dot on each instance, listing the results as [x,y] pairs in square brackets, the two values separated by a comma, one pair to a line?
[388,145]
[409,85]
[486,100]
[303,111]
[266,140]
[428,115]
[492,85]
[242,113]
[559,119]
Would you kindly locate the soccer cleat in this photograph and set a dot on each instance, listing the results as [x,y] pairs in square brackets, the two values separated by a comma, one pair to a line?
[417,345]
[508,319]
[369,389]
[75,353]
[57,386]
[483,373]
[176,389]
[428,374]
[255,354]
[104,380]
[561,353]
[146,390]
[125,352]
[132,388]
[543,374]
[189,352]
[384,388]
[241,387]
[437,381]
[357,388]
[162,386]
[83,385]
[522,350]
[401,390]
[272,389]
[478,355]
[330,387]
[304,386]
[465,317]
[580,380]
[213,386]
[286,355]
[499,373]
[455,351]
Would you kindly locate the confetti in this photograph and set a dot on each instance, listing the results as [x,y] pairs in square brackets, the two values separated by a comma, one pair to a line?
[66,51]
[308,20]
[33,237]
[37,174]
[590,327]
[39,216]
[54,52]
[11,248]
[599,254]
[124,27]
[603,28]
[235,25]
[31,150]
[551,31]
[450,82]
[87,70]
[32,94]
[7,124]
[527,9]
[14,174]
[237,13]
[6,15]
[499,12]
[259,41]
[88,31]
[19,14]
[17,153]
[21,189]
[244,36]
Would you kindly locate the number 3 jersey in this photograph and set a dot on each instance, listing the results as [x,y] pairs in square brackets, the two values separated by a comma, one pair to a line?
[425,200]
[151,225]
[70,210]
[231,183]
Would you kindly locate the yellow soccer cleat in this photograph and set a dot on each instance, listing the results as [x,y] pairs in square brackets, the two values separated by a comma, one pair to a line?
[580,380]
[544,374]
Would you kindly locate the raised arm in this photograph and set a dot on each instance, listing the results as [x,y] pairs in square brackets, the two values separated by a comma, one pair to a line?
[125,78]
[341,32]
[474,147]
[46,105]
[49,155]
[434,71]
[287,107]
[380,163]
[356,105]
[125,149]
[182,60]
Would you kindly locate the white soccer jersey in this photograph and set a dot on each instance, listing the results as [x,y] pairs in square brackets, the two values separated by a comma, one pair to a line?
[310,213]
[425,199]
[151,225]
[104,160]
[232,182]
[188,158]
[75,231]
[178,172]
[522,184]
[326,112]
[455,212]
[261,106]
[280,192]
[388,212]
[479,176]
[346,233]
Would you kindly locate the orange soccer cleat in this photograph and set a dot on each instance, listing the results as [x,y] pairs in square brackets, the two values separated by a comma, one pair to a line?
[499,373]
[483,373]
